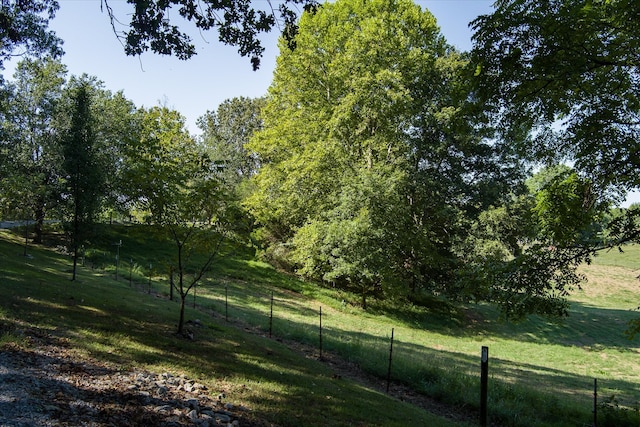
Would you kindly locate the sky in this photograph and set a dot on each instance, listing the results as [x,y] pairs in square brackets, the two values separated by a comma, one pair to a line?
[215,74]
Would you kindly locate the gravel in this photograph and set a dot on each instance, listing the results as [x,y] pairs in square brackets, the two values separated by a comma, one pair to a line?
[45,384]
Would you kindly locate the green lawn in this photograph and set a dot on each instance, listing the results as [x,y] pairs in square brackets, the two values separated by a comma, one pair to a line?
[541,371]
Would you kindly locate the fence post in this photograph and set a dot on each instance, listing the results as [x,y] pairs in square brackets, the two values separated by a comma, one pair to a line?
[320,332]
[149,289]
[484,380]
[595,402]
[390,359]
[271,316]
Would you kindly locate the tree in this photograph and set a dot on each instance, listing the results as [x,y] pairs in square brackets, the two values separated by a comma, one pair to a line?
[31,139]
[364,135]
[23,24]
[525,252]
[560,79]
[83,174]
[117,127]
[175,182]
[225,133]
[567,74]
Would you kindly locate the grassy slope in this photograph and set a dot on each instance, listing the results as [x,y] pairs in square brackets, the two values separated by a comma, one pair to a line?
[542,372]
[111,321]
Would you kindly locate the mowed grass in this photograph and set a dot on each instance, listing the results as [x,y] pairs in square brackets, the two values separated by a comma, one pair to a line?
[108,320]
[541,372]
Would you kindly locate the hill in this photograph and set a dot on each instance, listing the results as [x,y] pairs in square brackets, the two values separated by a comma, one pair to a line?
[541,371]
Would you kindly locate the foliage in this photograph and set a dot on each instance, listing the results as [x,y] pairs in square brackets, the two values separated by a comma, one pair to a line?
[238,22]
[23,25]
[82,170]
[225,133]
[560,79]
[565,207]
[171,178]
[567,72]
[29,188]
[369,169]
[524,253]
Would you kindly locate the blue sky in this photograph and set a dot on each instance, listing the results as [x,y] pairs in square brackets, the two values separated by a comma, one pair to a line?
[216,73]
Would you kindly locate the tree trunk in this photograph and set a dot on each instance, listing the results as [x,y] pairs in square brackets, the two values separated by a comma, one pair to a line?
[39,224]
[171,283]
[75,262]
[183,297]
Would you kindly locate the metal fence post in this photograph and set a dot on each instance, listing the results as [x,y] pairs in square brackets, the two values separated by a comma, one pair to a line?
[484,381]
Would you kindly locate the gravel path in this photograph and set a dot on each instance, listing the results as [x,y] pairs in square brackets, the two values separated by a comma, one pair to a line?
[48,385]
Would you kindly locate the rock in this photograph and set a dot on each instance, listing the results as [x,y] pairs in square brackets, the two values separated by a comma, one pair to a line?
[192,403]
[222,418]
[193,415]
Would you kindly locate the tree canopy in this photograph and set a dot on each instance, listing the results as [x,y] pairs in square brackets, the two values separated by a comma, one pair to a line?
[565,73]
[24,29]
[368,166]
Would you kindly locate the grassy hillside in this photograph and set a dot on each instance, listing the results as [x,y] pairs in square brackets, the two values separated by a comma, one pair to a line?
[541,371]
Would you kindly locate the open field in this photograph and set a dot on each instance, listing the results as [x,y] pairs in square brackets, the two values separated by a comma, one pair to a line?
[541,371]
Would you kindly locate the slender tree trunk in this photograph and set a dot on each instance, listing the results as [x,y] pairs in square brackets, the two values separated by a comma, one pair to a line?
[75,236]
[171,283]
[183,298]
[39,224]
[75,263]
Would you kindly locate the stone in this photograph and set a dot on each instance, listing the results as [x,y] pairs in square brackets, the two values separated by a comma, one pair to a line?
[193,415]
[192,403]
[222,418]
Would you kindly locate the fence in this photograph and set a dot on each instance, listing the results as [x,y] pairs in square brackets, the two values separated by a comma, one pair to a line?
[276,322]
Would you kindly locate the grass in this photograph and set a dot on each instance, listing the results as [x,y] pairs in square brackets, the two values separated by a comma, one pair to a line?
[109,320]
[541,371]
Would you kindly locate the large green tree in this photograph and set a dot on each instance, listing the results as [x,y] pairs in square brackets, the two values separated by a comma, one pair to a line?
[567,74]
[364,137]
[560,79]
[82,168]
[225,133]
[30,141]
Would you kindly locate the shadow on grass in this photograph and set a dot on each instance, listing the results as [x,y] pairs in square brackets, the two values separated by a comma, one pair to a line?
[130,329]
